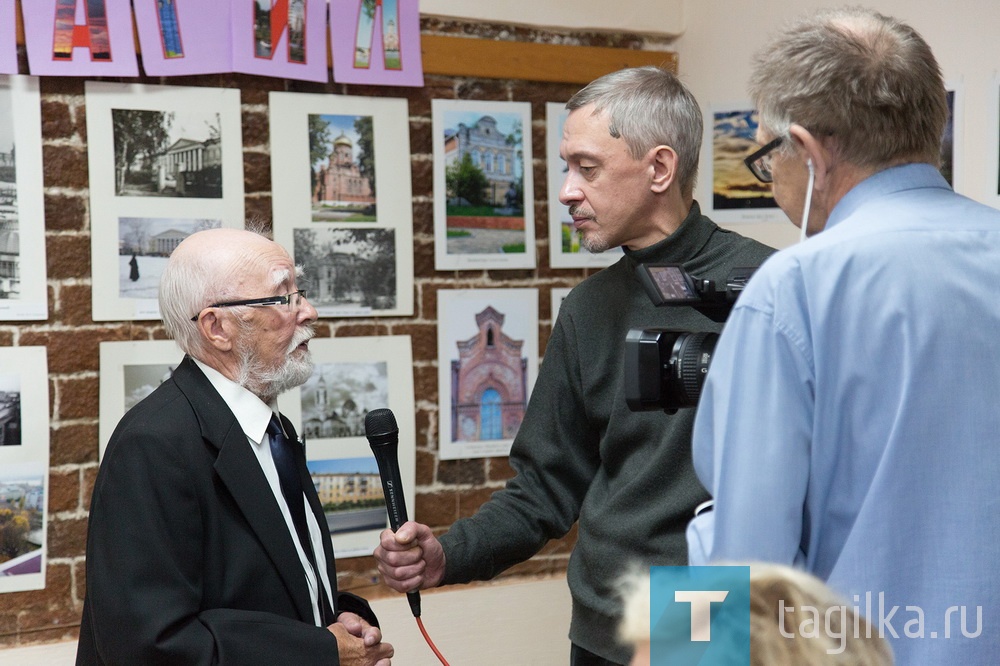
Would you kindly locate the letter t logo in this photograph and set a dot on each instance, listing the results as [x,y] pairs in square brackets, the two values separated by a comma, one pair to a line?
[701,610]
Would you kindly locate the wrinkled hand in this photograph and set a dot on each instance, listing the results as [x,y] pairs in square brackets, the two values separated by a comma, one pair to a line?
[411,558]
[359,643]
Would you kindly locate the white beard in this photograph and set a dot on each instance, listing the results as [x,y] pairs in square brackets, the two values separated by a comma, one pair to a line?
[267,383]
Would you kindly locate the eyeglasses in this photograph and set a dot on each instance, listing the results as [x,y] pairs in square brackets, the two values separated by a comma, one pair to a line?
[292,300]
[760,162]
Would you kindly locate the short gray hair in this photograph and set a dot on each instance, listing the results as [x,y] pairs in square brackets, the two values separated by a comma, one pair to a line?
[868,80]
[649,107]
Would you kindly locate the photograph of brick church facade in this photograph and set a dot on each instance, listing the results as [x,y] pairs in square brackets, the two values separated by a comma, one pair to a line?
[488,383]
[343,168]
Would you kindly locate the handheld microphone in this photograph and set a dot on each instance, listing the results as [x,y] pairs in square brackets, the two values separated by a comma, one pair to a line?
[383,436]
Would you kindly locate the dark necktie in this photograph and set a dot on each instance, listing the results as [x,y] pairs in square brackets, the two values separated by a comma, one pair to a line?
[285,461]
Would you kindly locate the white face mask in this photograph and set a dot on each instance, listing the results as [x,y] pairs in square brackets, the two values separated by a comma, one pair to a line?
[809,196]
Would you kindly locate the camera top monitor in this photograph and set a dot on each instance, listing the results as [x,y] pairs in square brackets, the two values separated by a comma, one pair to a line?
[668,284]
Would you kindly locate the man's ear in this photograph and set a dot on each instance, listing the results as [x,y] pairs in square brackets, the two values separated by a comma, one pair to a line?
[664,164]
[217,331]
[812,149]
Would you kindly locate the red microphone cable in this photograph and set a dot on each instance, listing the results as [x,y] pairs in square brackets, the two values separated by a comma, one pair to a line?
[427,638]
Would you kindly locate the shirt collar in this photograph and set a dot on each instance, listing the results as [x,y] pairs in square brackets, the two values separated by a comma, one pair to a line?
[885,182]
[252,413]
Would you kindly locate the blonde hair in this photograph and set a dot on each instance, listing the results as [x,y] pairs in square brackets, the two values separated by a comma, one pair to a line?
[782,601]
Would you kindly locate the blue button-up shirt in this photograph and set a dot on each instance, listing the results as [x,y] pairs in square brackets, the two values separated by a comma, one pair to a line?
[850,422]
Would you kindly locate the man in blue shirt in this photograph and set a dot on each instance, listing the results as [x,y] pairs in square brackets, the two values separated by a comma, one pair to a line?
[849,423]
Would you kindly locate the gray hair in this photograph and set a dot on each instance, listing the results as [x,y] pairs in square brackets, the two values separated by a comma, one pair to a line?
[649,107]
[192,281]
[868,80]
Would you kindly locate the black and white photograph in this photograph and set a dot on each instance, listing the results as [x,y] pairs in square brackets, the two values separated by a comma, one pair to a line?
[348,271]
[483,217]
[23,291]
[350,490]
[487,364]
[342,168]
[353,376]
[142,379]
[340,174]
[144,247]
[24,467]
[338,396]
[10,252]
[167,153]
[10,410]
[164,162]
[129,371]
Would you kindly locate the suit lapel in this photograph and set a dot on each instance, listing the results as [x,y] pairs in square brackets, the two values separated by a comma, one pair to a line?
[240,472]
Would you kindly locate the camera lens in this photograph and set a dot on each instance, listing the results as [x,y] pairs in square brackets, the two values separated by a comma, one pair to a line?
[665,369]
[686,367]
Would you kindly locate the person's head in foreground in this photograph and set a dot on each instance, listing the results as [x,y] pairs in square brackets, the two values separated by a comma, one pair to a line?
[842,94]
[795,618]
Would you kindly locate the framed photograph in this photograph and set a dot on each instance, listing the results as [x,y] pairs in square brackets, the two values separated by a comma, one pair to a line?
[737,196]
[164,161]
[993,194]
[342,200]
[565,250]
[483,190]
[24,467]
[557,296]
[23,287]
[487,364]
[351,377]
[951,142]
[130,371]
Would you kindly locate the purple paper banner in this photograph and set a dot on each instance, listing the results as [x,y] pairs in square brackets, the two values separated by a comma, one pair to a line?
[280,38]
[8,37]
[376,42]
[180,37]
[79,38]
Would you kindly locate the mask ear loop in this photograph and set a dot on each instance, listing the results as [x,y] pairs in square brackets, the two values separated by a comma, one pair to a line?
[809,196]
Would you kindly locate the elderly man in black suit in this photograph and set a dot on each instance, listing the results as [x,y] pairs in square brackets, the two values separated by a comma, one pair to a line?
[207,543]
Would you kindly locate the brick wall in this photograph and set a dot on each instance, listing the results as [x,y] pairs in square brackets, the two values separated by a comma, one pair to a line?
[445,491]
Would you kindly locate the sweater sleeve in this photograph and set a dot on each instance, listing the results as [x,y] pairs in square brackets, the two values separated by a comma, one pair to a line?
[555,456]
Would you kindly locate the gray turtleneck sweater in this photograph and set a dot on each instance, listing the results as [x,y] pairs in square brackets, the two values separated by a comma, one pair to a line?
[580,454]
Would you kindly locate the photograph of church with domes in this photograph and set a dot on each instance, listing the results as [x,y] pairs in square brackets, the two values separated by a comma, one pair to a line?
[336,398]
[342,159]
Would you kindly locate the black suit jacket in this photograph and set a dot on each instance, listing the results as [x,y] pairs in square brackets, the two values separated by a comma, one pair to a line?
[189,560]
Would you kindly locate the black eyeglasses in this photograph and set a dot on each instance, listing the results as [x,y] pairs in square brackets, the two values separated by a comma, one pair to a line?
[760,162]
[292,300]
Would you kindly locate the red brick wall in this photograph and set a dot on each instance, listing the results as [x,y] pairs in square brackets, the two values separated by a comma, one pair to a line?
[445,490]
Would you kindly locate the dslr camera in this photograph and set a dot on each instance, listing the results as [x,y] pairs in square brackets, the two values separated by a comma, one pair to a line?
[664,368]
